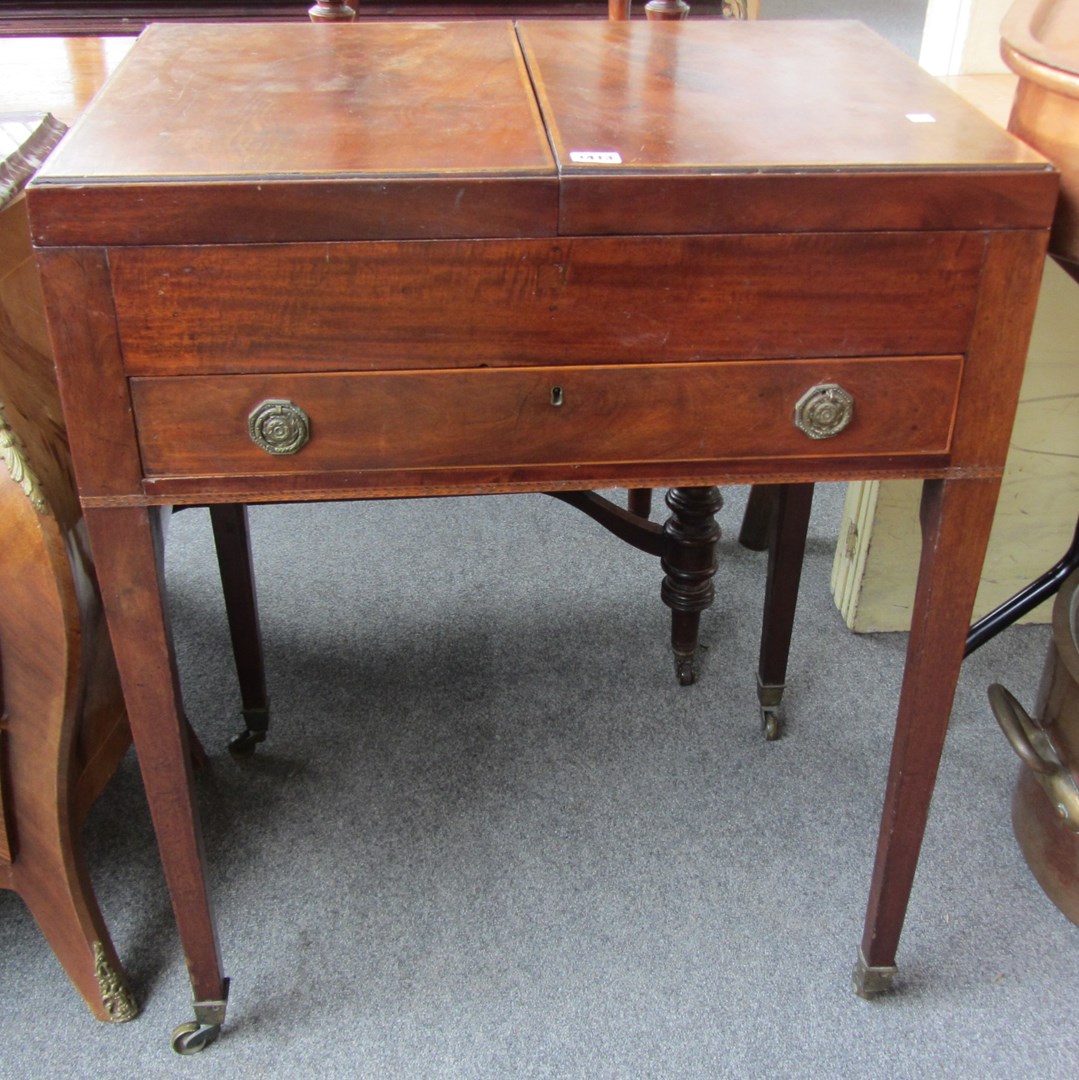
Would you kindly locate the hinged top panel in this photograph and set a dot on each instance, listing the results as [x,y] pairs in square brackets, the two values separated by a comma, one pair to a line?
[263,133]
[217,132]
[661,126]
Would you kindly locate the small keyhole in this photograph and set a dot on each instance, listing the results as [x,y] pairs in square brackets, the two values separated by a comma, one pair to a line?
[557,397]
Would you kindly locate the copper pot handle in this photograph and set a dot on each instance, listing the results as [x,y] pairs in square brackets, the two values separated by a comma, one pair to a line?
[1020,730]
[1036,750]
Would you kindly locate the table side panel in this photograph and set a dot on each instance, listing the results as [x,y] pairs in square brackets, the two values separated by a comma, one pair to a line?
[576,416]
[998,346]
[768,202]
[93,387]
[382,306]
[278,210]
[495,480]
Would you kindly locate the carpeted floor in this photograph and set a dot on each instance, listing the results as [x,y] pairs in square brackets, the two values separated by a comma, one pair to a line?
[490,837]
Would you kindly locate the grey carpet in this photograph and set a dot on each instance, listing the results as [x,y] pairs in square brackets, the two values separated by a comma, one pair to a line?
[490,837]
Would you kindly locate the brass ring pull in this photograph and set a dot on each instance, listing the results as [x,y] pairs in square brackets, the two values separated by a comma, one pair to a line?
[1032,743]
[279,427]
[824,411]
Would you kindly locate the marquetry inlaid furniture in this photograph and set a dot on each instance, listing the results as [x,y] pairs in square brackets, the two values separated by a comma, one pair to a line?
[62,724]
[63,729]
[385,260]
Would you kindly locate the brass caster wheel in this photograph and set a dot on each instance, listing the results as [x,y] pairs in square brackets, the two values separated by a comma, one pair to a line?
[771,727]
[192,1037]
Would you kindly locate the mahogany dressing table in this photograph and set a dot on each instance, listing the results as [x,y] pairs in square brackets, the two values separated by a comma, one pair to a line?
[386,260]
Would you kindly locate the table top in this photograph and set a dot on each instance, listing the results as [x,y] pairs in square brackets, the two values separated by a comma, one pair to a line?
[479,129]
[708,97]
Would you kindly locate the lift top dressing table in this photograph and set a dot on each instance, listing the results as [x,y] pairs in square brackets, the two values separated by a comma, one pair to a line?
[384,260]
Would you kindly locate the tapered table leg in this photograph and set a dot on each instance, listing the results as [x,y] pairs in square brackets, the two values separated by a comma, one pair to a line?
[127,543]
[639,501]
[788,525]
[757,517]
[689,562]
[233,541]
[956,516]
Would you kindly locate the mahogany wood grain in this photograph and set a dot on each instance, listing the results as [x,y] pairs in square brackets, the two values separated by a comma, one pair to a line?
[197,425]
[447,101]
[466,119]
[28,391]
[1011,279]
[75,282]
[649,335]
[956,517]
[759,202]
[577,301]
[232,542]
[63,728]
[59,75]
[351,208]
[60,704]
[128,547]
[502,479]
[675,98]
[787,528]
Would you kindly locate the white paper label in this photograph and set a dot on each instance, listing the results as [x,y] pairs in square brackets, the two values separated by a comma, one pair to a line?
[595,157]
[921,118]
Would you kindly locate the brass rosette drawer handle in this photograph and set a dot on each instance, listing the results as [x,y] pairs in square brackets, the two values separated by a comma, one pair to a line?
[279,426]
[823,411]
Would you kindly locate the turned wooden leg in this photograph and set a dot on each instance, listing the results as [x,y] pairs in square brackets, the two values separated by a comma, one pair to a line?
[127,544]
[956,516]
[689,562]
[791,504]
[331,11]
[233,543]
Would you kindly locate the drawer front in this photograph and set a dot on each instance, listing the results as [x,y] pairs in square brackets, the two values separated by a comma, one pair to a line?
[201,425]
[506,303]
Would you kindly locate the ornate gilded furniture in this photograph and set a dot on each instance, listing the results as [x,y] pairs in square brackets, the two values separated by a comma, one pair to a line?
[63,728]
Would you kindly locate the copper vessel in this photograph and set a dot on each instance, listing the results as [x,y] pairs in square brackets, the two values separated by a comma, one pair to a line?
[1045,804]
[1040,43]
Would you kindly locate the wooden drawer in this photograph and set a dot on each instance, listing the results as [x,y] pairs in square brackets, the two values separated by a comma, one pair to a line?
[506,303]
[199,426]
